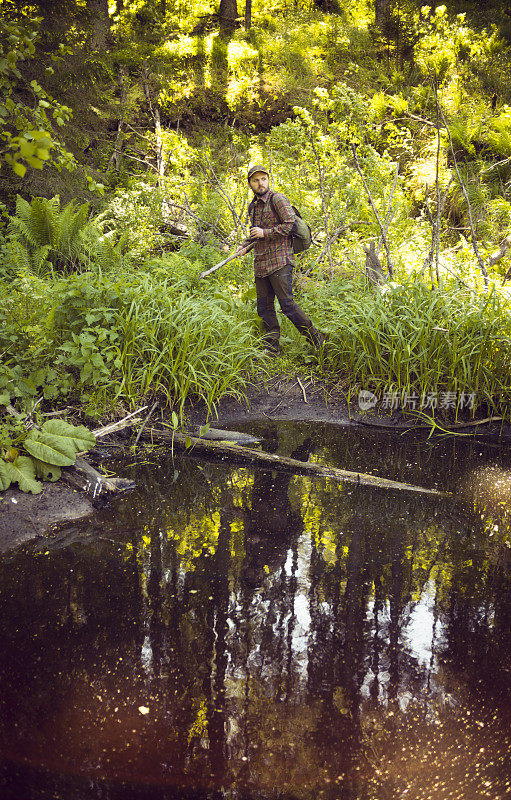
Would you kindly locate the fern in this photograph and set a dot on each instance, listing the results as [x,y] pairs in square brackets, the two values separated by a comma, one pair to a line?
[50,235]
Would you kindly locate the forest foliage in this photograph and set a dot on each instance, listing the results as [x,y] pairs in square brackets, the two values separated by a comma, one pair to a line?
[126,132]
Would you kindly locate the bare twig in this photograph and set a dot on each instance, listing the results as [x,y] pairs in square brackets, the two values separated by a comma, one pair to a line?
[115,157]
[126,422]
[335,235]
[326,215]
[375,211]
[475,246]
[390,213]
[435,230]
[240,252]
[214,180]
[303,389]
[139,434]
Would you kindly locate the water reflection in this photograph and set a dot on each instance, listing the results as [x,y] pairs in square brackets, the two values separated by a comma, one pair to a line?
[253,634]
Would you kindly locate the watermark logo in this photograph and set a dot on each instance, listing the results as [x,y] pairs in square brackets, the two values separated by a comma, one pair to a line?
[366,400]
[413,401]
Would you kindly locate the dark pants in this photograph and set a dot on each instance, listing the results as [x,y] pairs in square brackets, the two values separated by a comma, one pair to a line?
[279,284]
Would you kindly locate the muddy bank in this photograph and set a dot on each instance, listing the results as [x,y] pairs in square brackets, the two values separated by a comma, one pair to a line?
[305,400]
[28,516]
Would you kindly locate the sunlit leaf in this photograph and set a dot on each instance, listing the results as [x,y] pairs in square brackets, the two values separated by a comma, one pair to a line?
[57,450]
[5,478]
[79,435]
[22,472]
[19,168]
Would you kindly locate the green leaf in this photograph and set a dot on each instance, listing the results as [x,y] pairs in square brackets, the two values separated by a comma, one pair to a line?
[19,169]
[46,472]
[79,435]
[5,398]
[175,420]
[57,450]
[22,471]
[5,478]
[188,443]
[34,162]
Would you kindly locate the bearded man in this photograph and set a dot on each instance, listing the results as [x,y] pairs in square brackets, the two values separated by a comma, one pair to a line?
[272,219]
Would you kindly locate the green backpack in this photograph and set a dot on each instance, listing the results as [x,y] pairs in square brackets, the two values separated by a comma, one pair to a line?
[301,234]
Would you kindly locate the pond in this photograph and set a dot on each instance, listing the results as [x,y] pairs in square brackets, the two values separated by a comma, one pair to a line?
[238,633]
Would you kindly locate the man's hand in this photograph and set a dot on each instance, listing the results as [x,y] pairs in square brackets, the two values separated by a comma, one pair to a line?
[256,233]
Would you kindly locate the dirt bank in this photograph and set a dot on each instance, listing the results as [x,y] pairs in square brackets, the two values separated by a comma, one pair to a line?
[28,516]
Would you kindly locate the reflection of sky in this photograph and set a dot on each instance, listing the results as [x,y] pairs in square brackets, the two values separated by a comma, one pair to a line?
[301,629]
[420,639]
[421,633]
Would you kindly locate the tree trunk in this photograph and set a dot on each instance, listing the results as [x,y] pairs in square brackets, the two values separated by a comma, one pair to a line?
[99,24]
[155,113]
[228,15]
[115,158]
[381,12]
[248,14]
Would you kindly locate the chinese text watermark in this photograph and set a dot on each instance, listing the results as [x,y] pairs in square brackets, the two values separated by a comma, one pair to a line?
[427,401]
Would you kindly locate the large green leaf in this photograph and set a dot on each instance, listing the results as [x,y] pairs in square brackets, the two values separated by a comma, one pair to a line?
[5,478]
[22,471]
[46,472]
[58,450]
[82,438]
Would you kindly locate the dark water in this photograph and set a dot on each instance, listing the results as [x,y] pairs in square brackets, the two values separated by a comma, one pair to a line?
[234,633]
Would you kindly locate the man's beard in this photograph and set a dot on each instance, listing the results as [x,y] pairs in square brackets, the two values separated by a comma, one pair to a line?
[259,192]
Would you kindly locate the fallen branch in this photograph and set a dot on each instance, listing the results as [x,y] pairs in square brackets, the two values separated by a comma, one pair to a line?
[125,422]
[247,456]
[414,425]
[85,478]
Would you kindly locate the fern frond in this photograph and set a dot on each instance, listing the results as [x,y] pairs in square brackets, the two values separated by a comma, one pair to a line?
[71,224]
[40,258]
[20,231]
[18,257]
[22,207]
[43,221]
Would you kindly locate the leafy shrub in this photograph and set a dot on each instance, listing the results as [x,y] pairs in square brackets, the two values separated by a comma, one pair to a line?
[39,453]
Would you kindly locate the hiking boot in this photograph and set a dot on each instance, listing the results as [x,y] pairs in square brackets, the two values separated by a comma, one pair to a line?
[272,348]
[316,338]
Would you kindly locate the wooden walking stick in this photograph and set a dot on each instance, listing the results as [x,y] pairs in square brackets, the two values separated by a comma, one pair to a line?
[241,252]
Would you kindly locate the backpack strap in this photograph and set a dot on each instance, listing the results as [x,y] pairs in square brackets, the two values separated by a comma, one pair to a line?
[274,209]
[251,211]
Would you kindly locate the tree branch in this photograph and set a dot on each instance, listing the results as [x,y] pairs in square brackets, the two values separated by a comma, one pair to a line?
[375,211]
[480,261]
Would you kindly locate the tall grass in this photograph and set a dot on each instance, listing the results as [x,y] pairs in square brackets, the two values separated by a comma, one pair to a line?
[184,347]
[409,339]
[147,335]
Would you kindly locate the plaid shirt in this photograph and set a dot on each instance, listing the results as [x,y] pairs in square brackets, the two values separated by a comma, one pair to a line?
[275,250]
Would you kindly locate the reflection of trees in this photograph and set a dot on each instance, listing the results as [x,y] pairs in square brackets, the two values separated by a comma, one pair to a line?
[263,618]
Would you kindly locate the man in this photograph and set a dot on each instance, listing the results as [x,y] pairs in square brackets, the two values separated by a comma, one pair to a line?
[271,224]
